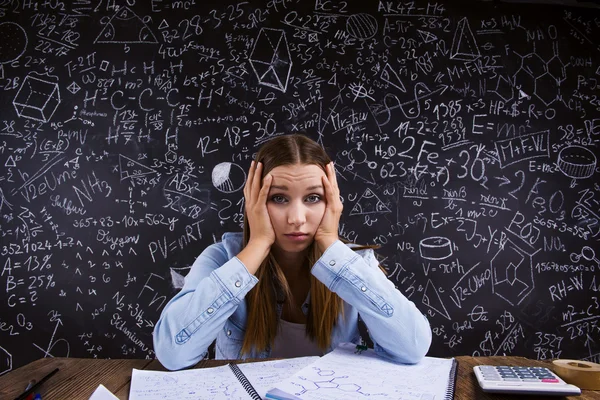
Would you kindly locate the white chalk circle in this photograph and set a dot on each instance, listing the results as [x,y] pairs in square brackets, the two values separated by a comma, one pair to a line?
[435,248]
[576,162]
[13,43]
[228,177]
[361,26]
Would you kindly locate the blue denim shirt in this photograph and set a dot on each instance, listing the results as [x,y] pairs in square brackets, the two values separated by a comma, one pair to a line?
[211,306]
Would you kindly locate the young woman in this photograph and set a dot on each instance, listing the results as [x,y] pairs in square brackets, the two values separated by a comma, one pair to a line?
[287,286]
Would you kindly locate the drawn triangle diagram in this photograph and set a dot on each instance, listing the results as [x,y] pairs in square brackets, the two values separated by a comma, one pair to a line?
[129,168]
[421,90]
[369,203]
[163,25]
[427,37]
[10,162]
[126,27]
[390,76]
[431,298]
[464,46]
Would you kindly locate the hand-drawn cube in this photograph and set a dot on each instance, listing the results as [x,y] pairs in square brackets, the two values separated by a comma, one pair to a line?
[37,99]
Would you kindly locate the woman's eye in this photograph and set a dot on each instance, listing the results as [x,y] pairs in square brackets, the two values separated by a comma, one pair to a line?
[313,198]
[278,199]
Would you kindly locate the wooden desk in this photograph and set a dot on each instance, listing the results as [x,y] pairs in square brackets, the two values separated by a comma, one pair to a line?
[79,377]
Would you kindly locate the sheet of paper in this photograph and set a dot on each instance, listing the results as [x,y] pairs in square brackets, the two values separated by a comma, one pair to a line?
[265,375]
[102,393]
[343,374]
[193,384]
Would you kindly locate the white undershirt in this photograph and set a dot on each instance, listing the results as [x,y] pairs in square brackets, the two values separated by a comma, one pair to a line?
[291,341]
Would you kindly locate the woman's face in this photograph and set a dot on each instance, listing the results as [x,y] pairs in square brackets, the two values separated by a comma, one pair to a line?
[296,205]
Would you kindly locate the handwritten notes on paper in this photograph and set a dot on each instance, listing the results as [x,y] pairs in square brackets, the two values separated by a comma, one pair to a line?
[212,383]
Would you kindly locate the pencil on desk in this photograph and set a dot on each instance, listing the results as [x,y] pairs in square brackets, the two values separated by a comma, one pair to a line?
[36,385]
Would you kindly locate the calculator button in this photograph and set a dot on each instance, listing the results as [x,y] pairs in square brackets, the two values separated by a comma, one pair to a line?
[548,380]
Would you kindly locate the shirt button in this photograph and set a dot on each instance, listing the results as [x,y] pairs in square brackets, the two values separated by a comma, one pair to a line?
[364,288]
[238,284]
[210,310]
[332,262]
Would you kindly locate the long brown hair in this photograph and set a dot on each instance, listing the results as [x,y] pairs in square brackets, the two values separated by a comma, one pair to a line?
[272,287]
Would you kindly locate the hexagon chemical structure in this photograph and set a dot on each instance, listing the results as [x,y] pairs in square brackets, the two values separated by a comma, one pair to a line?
[5,361]
[331,383]
[512,273]
[541,78]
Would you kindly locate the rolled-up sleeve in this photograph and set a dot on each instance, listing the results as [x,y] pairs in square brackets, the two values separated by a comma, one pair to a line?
[398,329]
[189,323]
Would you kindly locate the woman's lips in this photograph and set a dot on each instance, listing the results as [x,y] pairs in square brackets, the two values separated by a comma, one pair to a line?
[297,238]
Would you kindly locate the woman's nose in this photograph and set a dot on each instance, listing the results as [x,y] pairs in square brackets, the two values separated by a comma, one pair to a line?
[296,215]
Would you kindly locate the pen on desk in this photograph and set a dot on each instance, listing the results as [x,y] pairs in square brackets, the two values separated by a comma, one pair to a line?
[30,384]
[36,385]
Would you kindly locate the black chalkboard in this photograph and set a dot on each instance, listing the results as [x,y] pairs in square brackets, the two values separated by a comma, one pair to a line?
[465,136]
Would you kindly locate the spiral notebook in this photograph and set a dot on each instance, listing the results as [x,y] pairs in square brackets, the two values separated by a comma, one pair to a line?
[345,373]
[348,373]
[232,382]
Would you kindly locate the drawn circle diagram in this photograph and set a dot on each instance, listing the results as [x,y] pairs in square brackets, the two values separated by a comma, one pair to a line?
[435,248]
[228,177]
[13,43]
[576,162]
[361,26]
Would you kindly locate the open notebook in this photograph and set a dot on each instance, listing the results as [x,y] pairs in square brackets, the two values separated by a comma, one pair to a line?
[347,374]
[342,374]
[232,381]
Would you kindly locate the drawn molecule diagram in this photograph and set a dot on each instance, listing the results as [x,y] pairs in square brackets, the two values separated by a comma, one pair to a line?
[5,361]
[539,77]
[330,383]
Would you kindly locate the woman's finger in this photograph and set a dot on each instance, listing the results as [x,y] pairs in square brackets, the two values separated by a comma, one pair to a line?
[334,181]
[264,191]
[255,189]
[329,193]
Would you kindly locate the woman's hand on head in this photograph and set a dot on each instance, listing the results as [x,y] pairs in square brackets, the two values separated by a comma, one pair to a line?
[327,232]
[261,229]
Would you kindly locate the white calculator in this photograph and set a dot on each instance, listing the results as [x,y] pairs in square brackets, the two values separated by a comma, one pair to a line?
[522,380]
